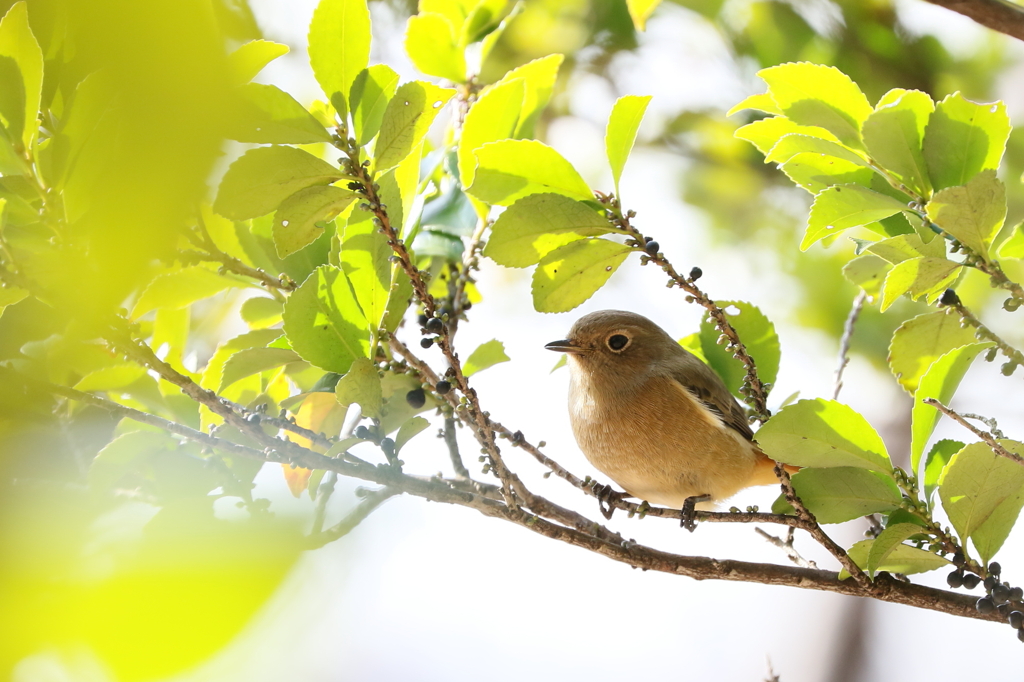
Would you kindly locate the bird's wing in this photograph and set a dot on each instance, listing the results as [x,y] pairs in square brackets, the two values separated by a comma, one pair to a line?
[707,387]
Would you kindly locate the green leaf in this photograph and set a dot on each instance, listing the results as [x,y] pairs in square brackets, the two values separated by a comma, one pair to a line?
[1013,245]
[640,11]
[620,135]
[906,246]
[372,89]
[397,410]
[893,135]
[921,341]
[919,277]
[433,47]
[902,559]
[364,257]
[361,385]
[792,144]
[767,132]
[974,213]
[758,335]
[759,102]
[939,382]
[323,321]
[120,455]
[823,433]
[692,344]
[11,295]
[963,138]
[406,119]
[816,95]
[20,60]
[979,486]
[339,47]
[844,206]
[868,272]
[261,312]
[935,462]
[484,17]
[259,180]
[268,114]
[299,220]
[249,59]
[839,494]
[571,274]
[251,361]
[817,172]
[492,117]
[538,78]
[213,372]
[887,542]
[398,300]
[180,288]
[110,378]
[511,169]
[486,355]
[492,38]
[409,429]
[538,224]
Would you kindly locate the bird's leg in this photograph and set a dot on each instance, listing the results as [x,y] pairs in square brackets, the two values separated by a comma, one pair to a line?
[688,514]
[606,497]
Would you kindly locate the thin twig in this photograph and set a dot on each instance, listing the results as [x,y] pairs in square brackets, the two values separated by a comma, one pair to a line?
[1015,357]
[323,496]
[984,435]
[844,343]
[373,499]
[787,547]
[452,442]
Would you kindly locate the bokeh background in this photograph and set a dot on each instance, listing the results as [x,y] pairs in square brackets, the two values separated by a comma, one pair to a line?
[421,591]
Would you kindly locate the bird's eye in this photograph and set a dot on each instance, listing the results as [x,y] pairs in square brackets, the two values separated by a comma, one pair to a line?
[618,341]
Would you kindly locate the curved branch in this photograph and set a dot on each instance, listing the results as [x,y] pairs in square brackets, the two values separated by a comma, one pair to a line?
[998,15]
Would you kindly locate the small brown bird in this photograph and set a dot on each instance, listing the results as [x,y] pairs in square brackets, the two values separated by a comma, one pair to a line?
[655,418]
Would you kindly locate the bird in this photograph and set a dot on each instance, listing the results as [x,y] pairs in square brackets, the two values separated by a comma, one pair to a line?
[655,418]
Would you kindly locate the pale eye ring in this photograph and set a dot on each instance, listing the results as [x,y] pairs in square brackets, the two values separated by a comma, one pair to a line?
[618,342]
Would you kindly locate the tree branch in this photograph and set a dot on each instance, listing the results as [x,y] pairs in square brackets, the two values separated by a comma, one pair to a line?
[844,343]
[984,435]
[998,15]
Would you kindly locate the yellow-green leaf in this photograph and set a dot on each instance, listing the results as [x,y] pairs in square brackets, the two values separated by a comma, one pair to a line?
[324,323]
[492,117]
[921,341]
[433,46]
[767,132]
[844,206]
[571,274]
[407,117]
[538,78]
[893,135]
[620,135]
[918,277]
[364,257]
[640,11]
[963,138]
[486,355]
[511,169]
[19,109]
[973,213]
[268,114]
[180,288]
[249,59]
[372,89]
[300,219]
[339,47]
[361,385]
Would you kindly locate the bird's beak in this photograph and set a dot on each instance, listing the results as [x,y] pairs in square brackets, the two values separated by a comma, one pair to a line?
[565,346]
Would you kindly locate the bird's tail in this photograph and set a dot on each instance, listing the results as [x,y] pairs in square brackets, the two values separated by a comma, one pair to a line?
[764,470]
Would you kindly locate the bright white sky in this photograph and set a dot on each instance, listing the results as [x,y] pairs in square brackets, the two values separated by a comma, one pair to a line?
[426,592]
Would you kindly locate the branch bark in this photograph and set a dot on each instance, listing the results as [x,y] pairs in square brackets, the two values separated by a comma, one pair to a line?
[998,15]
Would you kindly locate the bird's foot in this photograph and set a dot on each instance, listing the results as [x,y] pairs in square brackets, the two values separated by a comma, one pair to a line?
[688,514]
[606,499]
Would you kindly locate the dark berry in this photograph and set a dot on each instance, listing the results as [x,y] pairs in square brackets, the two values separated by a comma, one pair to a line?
[990,582]
[949,297]
[388,446]
[355,186]
[695,274]
[985,606]
[652,248]
[416,398]
[958,558]
[1016,593]
[1016,619]
[1020,635]
[1004,610]
[426,342]
[955,579]
[422,319]
[971,581]
[362,432]
[253,419]
[1001,593]
[443,387]
[994,568]
[434,325]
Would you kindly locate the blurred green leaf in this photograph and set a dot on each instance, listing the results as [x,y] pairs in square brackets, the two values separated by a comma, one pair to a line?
[1013,245]
[298,221]
[433,47]
[888,541]
[251,361]
[21,77]
[261,312]
[409,429]
[110,378]
[483,18]
[756,332]
[365,258]
[640,11]
[569,275]
[493,117]
[361,385]
[902,559]
[406,119]
[538,224]
[975,486]
[935,463]
[972,214]
[921,341]
[249,59]
[839,494]
[372,89]
[268,114]
[119,456]
[339,47]
[823,433]
[323,321]
[893,136]
[486,355]
[842,207]
[511,169]
[906,246]
[919,277]
[939,382]
[10,296]
[963,138]
[817,95]
[620,134]
[180,288]
[262,178]
[538,78]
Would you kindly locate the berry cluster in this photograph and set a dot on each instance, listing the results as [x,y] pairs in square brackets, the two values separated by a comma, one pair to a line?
[1000,596]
